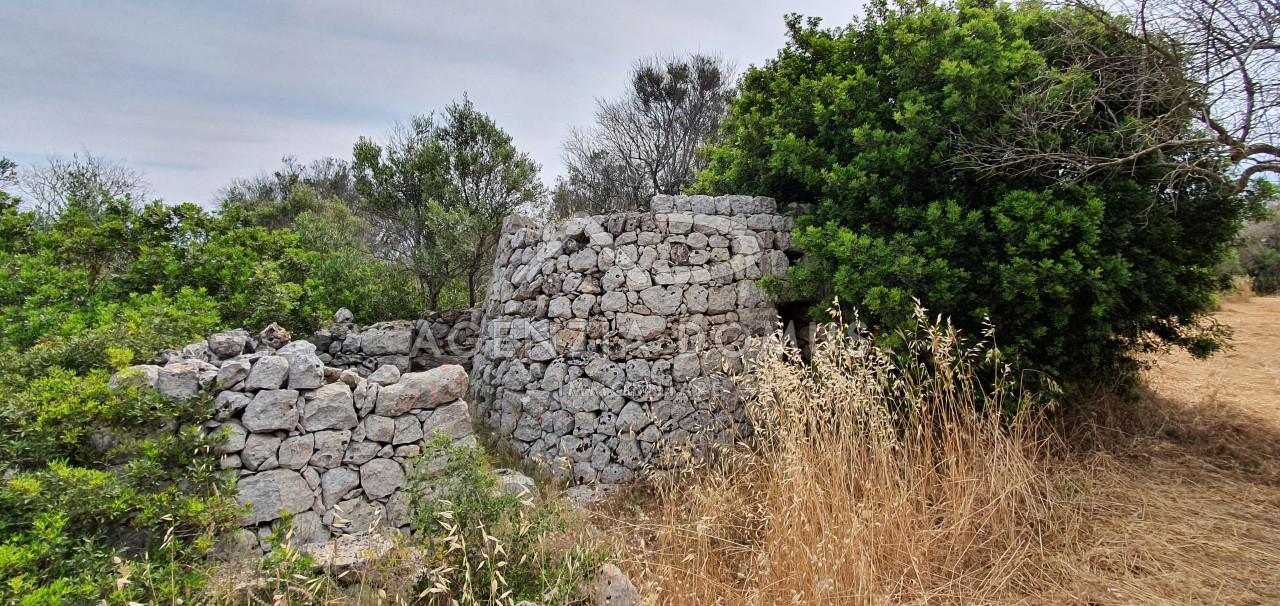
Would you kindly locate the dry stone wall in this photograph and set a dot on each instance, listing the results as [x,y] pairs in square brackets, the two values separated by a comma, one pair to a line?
[327,445]
[607,339]
[438,338]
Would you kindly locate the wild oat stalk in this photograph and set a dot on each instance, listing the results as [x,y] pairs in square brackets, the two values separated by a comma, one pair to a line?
[872,478]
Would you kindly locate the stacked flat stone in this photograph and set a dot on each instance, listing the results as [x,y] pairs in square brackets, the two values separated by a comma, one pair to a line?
[438,338]
[607,338]
[321,443]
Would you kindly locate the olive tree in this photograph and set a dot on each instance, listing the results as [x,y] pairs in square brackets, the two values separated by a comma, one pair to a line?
[437,192]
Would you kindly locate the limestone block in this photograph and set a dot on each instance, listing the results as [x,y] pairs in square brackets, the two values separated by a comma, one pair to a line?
[387,338]
[722,299]
[613,279]
[422,390]
[228,344]
[640,327]
[274,336]
[296,348]
[178,380]
[359,453]
[407,429]
[663,301]
[582,306]
[453,420]
[386,374]
[227,403]
[296,451]
[336,483]
[686,366]
[232,436]
[268,372]
[270,492]
[232,372]
[638,279]
[379,429]
[583,260]
[258,448]
[271,409]
[330,447]
[579,395]
[306,371]
[329,407]
[381,477]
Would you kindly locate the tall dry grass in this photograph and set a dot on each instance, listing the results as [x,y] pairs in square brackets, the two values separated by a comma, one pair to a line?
[870,480]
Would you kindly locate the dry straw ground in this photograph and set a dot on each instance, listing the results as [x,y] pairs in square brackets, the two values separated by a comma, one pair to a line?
[1172,498]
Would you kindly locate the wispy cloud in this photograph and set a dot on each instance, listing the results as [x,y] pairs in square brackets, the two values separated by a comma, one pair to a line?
[197,94]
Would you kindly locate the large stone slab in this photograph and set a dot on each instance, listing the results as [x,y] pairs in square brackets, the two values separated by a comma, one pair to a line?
[453,420]
[387,338]
[270,492]
[179,380]
[269,372]
[381,477]
[329,407]
[272,409]
[422,390]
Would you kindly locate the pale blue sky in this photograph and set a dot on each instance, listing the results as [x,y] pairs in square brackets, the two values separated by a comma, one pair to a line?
[197,94]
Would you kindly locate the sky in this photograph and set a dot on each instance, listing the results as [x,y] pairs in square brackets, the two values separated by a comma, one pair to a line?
[195,95]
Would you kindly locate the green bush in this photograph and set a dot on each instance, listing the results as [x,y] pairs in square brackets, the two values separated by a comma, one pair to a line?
[96,479]
[118,332]
[864,121]
[1258,255]
[344,272]
[112,494]
[494,548]
[56,277]
[255,275]
[107,494]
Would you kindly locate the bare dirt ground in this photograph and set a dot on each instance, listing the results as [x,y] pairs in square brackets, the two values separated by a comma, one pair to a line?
[1245,378]
[1181,489]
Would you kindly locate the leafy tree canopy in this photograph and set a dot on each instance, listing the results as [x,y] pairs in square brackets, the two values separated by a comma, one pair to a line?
[437,191]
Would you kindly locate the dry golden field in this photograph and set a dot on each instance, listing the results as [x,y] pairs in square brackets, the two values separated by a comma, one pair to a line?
[1170,498]
[1180,492]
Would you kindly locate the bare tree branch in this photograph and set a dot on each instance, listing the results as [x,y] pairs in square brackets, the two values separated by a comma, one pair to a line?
[1196,89]
[647,142]
[83,181]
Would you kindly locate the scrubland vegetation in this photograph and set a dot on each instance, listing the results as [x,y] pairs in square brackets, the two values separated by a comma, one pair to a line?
[1059,188]
[872,479]
[877,480]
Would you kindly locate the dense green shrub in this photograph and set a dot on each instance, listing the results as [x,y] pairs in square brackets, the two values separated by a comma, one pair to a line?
[317,201]
[107,493]
[345,272]
[53,273]
[1258,255]
[115,332]
[96,479]
[495,548]
[112,494]
[864,122]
